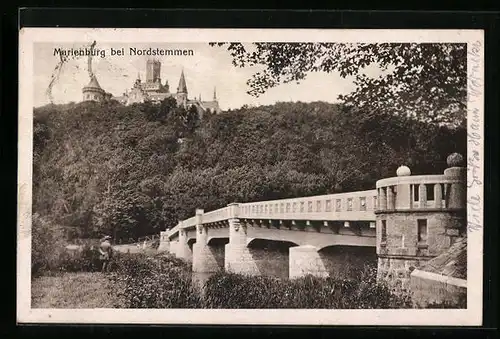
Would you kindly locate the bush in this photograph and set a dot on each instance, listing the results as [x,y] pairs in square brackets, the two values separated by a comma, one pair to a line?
[47,246]
[228,290]
[163,281]
[153,282]
[85,260]
[155,244]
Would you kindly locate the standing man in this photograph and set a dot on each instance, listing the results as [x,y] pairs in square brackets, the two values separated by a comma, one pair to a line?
[106,252]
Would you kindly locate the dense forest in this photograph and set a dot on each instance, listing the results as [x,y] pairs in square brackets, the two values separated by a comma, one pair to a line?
[135,170]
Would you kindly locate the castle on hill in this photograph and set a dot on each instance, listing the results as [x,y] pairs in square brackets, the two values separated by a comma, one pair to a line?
[151,90]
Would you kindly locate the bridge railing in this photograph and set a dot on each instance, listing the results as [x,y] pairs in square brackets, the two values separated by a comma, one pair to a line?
[420,192]
[216,215]
[358,205]
[404,192]
[190,222]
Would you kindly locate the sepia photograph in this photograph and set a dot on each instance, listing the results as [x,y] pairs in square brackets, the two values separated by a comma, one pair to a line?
[207,176]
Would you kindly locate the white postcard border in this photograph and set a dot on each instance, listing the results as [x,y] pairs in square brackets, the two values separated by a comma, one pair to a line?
[466,317]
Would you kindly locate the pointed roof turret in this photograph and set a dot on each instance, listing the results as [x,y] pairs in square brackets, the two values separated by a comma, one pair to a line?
[215,94]
[94,83]
[182,88]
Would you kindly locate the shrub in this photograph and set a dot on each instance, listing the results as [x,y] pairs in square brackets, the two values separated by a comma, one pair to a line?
[47,246]
[153,282]
[229,290]
[155,244]
[85,260]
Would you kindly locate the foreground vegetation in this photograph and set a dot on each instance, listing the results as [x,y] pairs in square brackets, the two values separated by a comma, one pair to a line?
[162,281]
[73,290]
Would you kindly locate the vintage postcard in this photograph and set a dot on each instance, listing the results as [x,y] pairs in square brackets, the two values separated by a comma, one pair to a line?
[250,176]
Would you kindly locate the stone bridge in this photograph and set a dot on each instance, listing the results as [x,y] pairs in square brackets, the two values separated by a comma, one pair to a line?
[404,222]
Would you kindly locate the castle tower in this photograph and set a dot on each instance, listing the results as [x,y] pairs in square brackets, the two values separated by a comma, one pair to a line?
[417,219]
[182,92]
[153,68]
[93,91]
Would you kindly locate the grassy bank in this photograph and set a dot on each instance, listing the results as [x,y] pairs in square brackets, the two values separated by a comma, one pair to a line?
[73,290]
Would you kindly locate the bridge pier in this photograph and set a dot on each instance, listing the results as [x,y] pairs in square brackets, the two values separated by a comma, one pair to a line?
[182,249]
[306,260]
[204,258]
[238,258]
[164,242]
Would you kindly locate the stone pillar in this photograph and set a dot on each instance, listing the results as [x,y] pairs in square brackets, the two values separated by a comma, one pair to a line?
[456,197]
[238,258]
[305,260]
[390,198]
[183,250]
[204,260]
[164,242]
[422,195]
[403,198]
[382,198]
[403,191]
[173,247]
[438,196]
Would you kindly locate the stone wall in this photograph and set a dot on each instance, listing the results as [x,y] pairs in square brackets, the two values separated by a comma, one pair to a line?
[431,289]
[396,272]
[402,251]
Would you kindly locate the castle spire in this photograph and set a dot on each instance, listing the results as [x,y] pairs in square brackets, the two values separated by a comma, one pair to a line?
[182,88]
[215,94]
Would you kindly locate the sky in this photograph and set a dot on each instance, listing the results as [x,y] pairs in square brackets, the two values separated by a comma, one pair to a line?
[209,68]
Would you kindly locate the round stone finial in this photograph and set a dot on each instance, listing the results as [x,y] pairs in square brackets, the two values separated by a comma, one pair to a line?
[403,171]
[455,160]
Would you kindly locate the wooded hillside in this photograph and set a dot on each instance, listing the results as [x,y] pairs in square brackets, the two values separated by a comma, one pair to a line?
[135,170]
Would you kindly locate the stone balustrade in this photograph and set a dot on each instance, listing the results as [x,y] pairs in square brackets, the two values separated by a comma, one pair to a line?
[216,215]
[420,192]
[358,206]
[353,206]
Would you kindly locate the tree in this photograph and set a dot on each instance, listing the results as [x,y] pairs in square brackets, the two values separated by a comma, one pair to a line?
[192,119]
[422,81]
[159,113]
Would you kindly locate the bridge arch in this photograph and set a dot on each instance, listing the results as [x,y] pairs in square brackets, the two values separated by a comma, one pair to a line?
[271,257]
[190,243]
[266,243]
[217,241]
